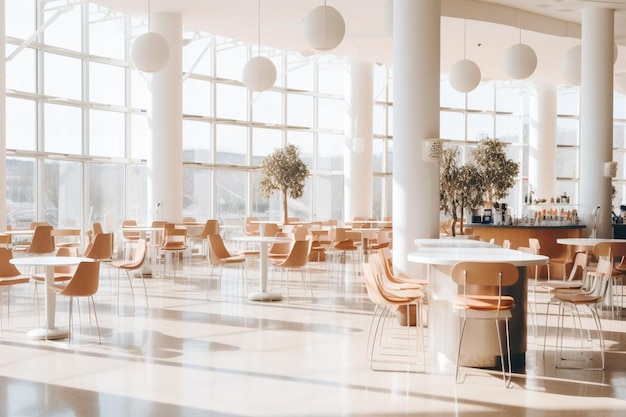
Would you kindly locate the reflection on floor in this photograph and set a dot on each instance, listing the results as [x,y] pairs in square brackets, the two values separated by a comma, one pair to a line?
[186,355]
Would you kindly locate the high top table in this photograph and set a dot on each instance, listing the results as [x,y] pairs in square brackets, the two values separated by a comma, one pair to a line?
[50,331]
[480,348]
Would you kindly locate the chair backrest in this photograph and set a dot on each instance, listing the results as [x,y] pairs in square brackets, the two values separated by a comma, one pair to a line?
[189,219]
[610,249]
[139,255]
[66,251]
[506,244]
[370,285]
[270,229]
[96,228]
[280,248]
[251,228]
[85,280]
[534,245]
[101,247]
[485,277]
[298,255]
[581,262]
[293,220]
[5,240]
[174,239]
[211,227]
[217,249]
[33,225]
[300,232]
[7,269]
[130,234]
[600,280]
[42,242]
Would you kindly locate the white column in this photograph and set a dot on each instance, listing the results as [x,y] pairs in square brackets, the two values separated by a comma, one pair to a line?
[542,142]
[416,52]
[3,124]
[359,96]
[165,121]
[596,117]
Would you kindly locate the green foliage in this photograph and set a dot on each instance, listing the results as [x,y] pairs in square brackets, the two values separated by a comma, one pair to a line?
[498,172]
[284,171]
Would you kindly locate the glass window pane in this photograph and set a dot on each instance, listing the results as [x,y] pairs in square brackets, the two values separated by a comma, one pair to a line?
[197,141]
[331,113]
[197,97]
[482,97]
[508,128]
[300,72]
[264,142]
[62,76]
[304,142]
[231,58]
[567,102]
[452,125]
[479,125]
[106,32]
[63,129]
[196,193]
[508,98]
[329,197]
[566,166]
[199,54]
[140,140]
[378,155]
[106,195]
[65,31]
[378,122]
[19,18]
[106,133]
[330,150]
[231,145]
[106,84]
[20,70]
[231,195]
[140,90]
[231,102]
[449,97]
[566,131]
[262,207]
[21,192]
[267,107]
[21,124]
[331,78]
[619,134]
[300,110]
[63,192]
[139,194]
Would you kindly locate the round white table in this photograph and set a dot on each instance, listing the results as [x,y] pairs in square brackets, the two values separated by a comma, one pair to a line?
[444,324]
[263,241]
[586,242]
[50,331]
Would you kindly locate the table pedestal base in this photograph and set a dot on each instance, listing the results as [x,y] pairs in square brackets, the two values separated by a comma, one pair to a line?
[55,333]
[264,296]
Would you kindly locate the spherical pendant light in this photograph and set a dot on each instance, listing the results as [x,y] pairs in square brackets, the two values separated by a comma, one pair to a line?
[324,28]
[520,61]
[464,76]
[570,65]
[259,74]
[150,52]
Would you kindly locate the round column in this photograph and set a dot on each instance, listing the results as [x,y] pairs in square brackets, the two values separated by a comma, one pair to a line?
[165,121]
[416,51]
[358,118]
[3,126]
[542,142]
[596,118]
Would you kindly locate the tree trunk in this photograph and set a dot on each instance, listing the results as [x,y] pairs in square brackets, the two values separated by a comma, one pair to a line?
[453,225]
[285,211]
[462,221]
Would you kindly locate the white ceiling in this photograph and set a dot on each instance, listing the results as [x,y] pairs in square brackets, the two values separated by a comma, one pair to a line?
[551,27]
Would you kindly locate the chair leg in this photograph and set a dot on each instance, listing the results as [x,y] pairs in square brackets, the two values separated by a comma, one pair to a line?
[458,353]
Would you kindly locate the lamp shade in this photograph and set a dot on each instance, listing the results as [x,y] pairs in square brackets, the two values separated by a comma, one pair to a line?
[324,28]
[519,61]
[259,73]
[150,52]
[464,76]
[570,65]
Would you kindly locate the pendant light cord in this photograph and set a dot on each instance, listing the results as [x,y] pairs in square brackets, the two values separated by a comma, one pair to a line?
[464,38]
[149,15]
[259,28]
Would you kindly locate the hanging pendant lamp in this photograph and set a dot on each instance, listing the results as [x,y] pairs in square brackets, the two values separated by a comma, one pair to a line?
[150,51]
[259,73]
[520,60]
[324,28]
[465,74]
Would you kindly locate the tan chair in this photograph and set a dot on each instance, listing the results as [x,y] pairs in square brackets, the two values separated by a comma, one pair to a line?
[135,264]
[392,281]
[572,357]
[279,250]
[66,238]
[388,302]
[297,259]
[129,236]
[189,219]
[481,297]
[340,247]
[101,249]
[42,242]
[250,228]
[211,227]
[270,229]
[84,283]
[615,252]
[61,273]
[174,245]
[6,241]
[220,257]
[385,254]
[9,276]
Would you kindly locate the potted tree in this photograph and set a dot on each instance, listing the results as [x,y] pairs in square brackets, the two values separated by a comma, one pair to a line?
[461,187]
[284,171]
[498,171]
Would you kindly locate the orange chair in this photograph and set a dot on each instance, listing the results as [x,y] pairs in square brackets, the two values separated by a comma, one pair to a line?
[219,257]
[135,264]
[84,283]
[297,259]
[9,276]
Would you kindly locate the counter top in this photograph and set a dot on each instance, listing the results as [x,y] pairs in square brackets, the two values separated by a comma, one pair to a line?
[526,226]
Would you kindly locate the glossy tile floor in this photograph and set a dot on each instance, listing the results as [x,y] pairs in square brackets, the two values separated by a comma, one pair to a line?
[189,356]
